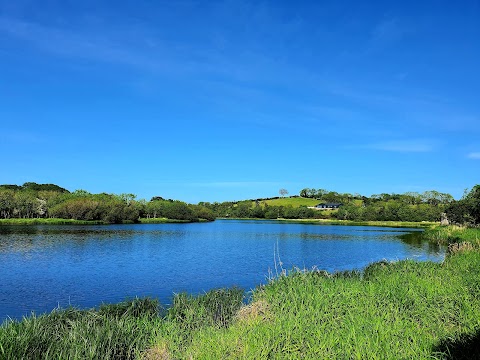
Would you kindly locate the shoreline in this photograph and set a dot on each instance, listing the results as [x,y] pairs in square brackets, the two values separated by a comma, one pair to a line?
[409,309]
[57,221]
[394,224]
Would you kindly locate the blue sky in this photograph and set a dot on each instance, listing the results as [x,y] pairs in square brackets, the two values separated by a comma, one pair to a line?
[228,100]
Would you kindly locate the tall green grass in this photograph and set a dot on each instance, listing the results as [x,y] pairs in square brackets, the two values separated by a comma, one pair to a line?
[453,234]
[402,310]
[119,331]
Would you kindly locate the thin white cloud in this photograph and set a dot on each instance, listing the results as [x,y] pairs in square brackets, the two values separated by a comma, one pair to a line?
[91,46]
[474,155]
[403,146]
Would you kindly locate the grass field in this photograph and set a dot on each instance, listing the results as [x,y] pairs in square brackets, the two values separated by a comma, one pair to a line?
[294,202]
[297,202]
[400,310]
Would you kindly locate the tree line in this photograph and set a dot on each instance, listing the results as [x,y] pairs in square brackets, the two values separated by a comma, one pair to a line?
[32,200]
[410,206]
[412,198]
[258,209]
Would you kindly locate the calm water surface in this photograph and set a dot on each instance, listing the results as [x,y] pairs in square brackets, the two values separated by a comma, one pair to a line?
[43,267]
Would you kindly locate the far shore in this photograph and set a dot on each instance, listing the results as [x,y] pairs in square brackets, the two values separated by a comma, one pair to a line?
[54,221]
[397,224]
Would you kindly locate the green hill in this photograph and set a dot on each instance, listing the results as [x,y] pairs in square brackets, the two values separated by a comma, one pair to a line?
[291,201]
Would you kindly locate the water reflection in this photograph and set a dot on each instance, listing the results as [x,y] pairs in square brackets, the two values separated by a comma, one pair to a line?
[415,240]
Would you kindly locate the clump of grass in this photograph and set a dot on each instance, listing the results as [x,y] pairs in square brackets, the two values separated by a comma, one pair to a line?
[137,307]
[215,308]
[453,234]
[157,352]
[255,311]
[460,247]
[114,332]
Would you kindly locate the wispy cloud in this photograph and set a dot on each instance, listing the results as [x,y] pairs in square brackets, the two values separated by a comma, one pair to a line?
[403,146]
[474,155]
[97,46]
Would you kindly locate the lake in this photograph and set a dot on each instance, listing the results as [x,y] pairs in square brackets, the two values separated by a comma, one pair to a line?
[43,267]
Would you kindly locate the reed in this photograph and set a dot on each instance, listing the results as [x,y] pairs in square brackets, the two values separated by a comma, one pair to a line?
[453,234]
[112,332]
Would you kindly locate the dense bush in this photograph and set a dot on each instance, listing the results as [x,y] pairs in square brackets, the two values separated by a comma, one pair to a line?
[467,209]
[390,211]
[51,201]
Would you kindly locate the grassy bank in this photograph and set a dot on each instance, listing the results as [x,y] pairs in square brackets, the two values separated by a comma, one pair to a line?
[398,224]
[49,221]
[453,234]
[401,310]
[53,221]
[161,221]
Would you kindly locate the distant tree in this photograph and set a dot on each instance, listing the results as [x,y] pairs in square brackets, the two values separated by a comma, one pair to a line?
[304,192]
[10,187]
[283,192]
[43,187]
[7,203]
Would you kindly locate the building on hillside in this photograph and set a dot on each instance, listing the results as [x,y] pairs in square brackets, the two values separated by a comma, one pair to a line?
[328,206]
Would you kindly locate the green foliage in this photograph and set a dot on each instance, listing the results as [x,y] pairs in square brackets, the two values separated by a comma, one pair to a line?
[215,308]
[391,210]
[177,210]
[408,207]
[137,308]
[50,201]
[453,234]
[467,210]
[119,331]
